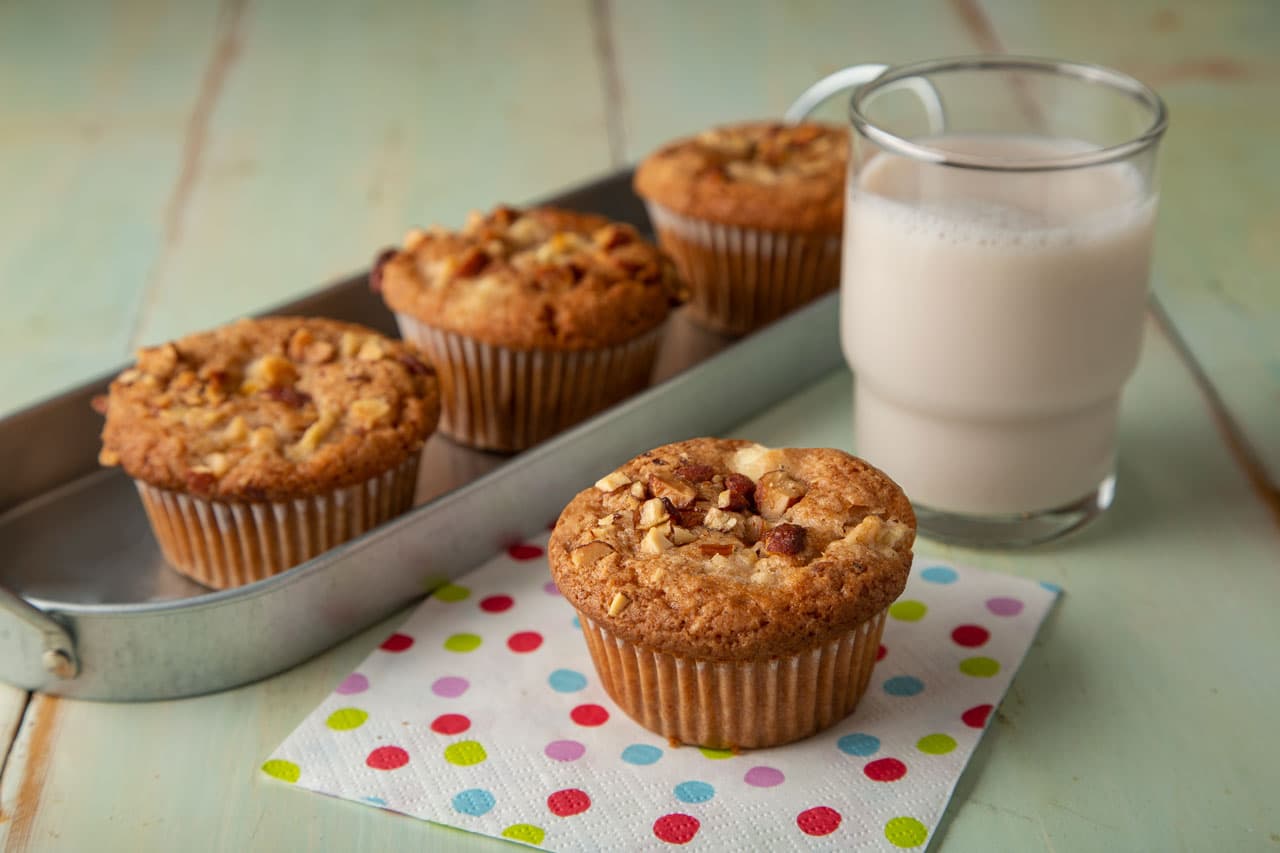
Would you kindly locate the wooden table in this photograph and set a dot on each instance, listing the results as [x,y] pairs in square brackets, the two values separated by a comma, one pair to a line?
[167,167]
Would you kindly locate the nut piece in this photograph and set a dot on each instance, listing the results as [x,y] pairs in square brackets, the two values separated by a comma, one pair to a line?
[108,457]
[655,541]
[620,603]
[785,539]
[718,519]
[610,482]
[653,512]
[263,438]
[696,473]
[370,350]
[289,395]
[370,411]
[316,432]
[738,493]
[349,345]
[682,536]
[776,492]
[236,431]
[710,549]
[158,361]
[637,490]
[590,553]
[217,463]
[274,370]
[680,492]
[755,460]
[875,532]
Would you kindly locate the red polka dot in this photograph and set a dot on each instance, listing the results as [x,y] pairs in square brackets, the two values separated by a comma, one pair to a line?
[881,652]
[524,552]
[450,724]
[396,643]
[970,636]
[589,715]
[497,603]
[525,641]
[819,820]
[885,770]
[676,828]
[568,802]
[976,717]
[387,758]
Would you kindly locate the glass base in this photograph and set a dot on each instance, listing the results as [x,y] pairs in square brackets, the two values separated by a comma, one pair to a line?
[1015,530]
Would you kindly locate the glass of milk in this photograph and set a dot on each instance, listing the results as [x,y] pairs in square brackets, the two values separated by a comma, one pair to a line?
[997,246]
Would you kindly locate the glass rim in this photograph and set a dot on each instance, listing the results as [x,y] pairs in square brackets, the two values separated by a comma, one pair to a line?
[1082,71]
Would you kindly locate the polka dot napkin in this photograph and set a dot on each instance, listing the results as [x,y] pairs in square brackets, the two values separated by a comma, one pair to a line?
[483,712]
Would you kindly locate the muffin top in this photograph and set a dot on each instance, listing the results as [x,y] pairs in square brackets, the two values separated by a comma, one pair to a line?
[727,550]
[767,175]
[269,409]
[541,278]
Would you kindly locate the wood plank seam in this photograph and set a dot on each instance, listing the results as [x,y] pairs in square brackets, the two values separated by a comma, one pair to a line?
[225,52]
[8,751]
[1237,444]
[978,24]
[610,78]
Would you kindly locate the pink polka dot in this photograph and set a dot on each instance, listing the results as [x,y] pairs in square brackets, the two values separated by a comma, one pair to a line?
[676,828]
[764,777]
[970,636]
[524,641]
[819,820]
[885,770]
[565,750]
[353,683]
[524,552]
[570,801]
[496,603]
[881,652]
[976,717]
[450,724]
[387,758]
[450,687]
[396,643]
[550,588]
[1001,606]
[589,715]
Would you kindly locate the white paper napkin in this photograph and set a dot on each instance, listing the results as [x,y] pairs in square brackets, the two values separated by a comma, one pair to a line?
[483,712]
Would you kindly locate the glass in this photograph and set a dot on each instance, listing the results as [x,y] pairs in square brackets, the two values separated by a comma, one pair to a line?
[997,248]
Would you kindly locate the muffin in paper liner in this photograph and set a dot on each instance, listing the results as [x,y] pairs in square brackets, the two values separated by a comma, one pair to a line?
[743,278]
[223,544]
[737,704]
[733,595]
[497,398]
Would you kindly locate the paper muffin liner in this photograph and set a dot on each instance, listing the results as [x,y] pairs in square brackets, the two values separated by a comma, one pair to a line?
[732,704]
[743,278]
[224,544]
[495,398]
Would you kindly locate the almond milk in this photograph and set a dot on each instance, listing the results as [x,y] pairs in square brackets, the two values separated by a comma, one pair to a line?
[991,321]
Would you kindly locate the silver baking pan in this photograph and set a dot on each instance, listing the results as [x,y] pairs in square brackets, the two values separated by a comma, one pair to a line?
[88,608]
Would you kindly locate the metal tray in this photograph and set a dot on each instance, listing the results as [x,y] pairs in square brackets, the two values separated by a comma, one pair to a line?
[88,608]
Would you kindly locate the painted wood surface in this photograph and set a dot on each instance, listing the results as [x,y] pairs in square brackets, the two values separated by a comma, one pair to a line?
[166,166]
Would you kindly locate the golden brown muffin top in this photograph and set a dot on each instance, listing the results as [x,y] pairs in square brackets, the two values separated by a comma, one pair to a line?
[269,409]
[767,175]
[541,278]
[726,550]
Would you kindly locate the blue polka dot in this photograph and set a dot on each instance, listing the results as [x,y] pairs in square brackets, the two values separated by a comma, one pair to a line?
[939,574]
[641,753]
[567,681]
[859,744]
[377,801]
[473,801]
[576,623]
[694,792]
[903,685]
[1052,587]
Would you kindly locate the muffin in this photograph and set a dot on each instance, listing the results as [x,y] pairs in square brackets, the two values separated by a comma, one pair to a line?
[751,213]
[733,595]
[535,319]
[260,444]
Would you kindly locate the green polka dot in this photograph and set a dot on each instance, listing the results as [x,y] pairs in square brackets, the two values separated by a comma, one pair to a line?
[346,719]
[464,753]
[716,754]
[905,832]
[908,611]
[463,643]
[526,832]
[281,769]
[452,592]
[979,667]
[936,744]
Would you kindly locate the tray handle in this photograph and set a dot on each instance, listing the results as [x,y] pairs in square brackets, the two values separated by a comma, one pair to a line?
[57,650]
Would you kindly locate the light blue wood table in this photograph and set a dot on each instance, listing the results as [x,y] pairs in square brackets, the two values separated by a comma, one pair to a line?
[165,167]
